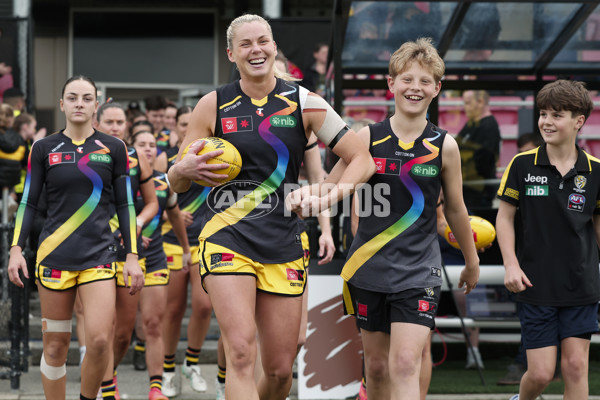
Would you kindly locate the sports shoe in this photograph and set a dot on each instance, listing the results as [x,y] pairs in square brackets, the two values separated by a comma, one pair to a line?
[220,389]
[362,392]
[472,355]
[194,374]
[156,394]
[515,397]
[169,385]
[139,360]
[513,376]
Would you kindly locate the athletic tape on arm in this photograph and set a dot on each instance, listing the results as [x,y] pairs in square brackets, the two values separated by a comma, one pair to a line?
[52,325]
[333,127]
[50,372]
[172,200]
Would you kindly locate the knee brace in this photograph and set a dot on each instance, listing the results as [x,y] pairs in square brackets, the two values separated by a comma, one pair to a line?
[50,372]
[52,325]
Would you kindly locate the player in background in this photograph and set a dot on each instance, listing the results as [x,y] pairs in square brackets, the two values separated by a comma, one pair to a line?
[82,169]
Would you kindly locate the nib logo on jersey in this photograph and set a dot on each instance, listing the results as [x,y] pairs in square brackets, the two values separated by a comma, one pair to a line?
[61,158]
[237,124]
[387,166]
[536,190]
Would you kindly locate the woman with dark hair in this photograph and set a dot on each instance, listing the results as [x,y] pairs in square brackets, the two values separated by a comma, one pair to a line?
[82,170]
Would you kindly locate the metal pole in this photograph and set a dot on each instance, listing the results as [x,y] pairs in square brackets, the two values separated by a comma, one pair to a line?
[462,323]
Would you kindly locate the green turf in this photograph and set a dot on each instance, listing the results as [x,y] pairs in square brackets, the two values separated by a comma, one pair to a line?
[452,377]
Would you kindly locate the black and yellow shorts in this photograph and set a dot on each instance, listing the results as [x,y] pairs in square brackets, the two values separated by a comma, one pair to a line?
[174,254]
[56,279]
[156,276]
[120,264]
[286,279]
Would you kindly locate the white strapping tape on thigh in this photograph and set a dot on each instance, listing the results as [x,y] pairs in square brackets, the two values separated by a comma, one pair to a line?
[53,325]
[333,123]
[50,372]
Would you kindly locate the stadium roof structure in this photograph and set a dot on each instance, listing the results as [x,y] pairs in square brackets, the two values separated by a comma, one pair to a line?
[496,44]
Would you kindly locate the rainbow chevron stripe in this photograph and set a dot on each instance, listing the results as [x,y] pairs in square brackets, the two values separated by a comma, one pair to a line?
[250,201]
[78,218]
[368,249]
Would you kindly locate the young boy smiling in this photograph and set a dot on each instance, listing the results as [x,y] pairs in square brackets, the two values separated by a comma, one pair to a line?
[554,270]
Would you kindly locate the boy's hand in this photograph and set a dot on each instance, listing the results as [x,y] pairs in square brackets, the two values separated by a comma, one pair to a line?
[469,276]
[515,279]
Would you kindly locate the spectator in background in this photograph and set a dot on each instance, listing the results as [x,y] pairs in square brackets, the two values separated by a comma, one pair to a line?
[529,141]
[12,149]
[479,144]
[155,112]
[8,115]
[133,116]
[16,99]
[170,122]
[315,75]
[6,79]
[478,33]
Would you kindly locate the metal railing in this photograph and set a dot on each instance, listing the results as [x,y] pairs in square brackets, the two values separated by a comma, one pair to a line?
[14,310]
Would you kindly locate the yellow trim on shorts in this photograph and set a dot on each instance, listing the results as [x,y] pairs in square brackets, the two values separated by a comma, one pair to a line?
[59,280]
[119,275]
[283,279]
[348,304]
[174,253]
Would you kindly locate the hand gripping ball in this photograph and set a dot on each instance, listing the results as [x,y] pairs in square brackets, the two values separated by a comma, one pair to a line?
[230,156]
[484,233]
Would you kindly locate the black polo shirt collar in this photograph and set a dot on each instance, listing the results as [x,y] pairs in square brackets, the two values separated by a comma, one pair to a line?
[581,165]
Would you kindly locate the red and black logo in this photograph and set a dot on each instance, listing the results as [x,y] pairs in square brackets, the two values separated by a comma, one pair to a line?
[220,257]
[51,273]
[387,166]
[294,274]
[236,124]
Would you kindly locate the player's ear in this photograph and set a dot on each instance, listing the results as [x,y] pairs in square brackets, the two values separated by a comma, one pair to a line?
[438,88]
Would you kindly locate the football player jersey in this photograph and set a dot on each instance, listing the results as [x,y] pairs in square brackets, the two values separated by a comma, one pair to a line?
[79,178]
[192,201]
[247,215]
[396,245]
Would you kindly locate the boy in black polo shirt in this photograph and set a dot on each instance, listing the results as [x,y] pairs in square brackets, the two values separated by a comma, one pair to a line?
[555,269]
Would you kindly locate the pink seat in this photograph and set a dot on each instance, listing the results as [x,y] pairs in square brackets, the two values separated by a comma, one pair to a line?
[508,149]
[506,115]
[451,118]
[375,113]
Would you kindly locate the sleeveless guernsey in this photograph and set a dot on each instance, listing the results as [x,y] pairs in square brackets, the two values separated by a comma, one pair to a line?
[247,215]
[396,246]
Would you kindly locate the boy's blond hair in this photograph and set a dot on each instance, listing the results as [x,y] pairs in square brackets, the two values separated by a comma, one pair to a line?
[564,95]
[421,51]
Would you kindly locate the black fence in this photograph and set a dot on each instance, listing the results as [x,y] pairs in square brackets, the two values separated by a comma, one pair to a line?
[14,310]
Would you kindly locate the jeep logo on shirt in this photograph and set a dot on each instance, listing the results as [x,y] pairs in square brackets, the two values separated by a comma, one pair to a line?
[536,179]
[536,190]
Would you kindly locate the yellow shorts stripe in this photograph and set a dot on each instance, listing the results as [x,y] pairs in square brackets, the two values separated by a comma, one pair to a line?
[286,279]
[56,279]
